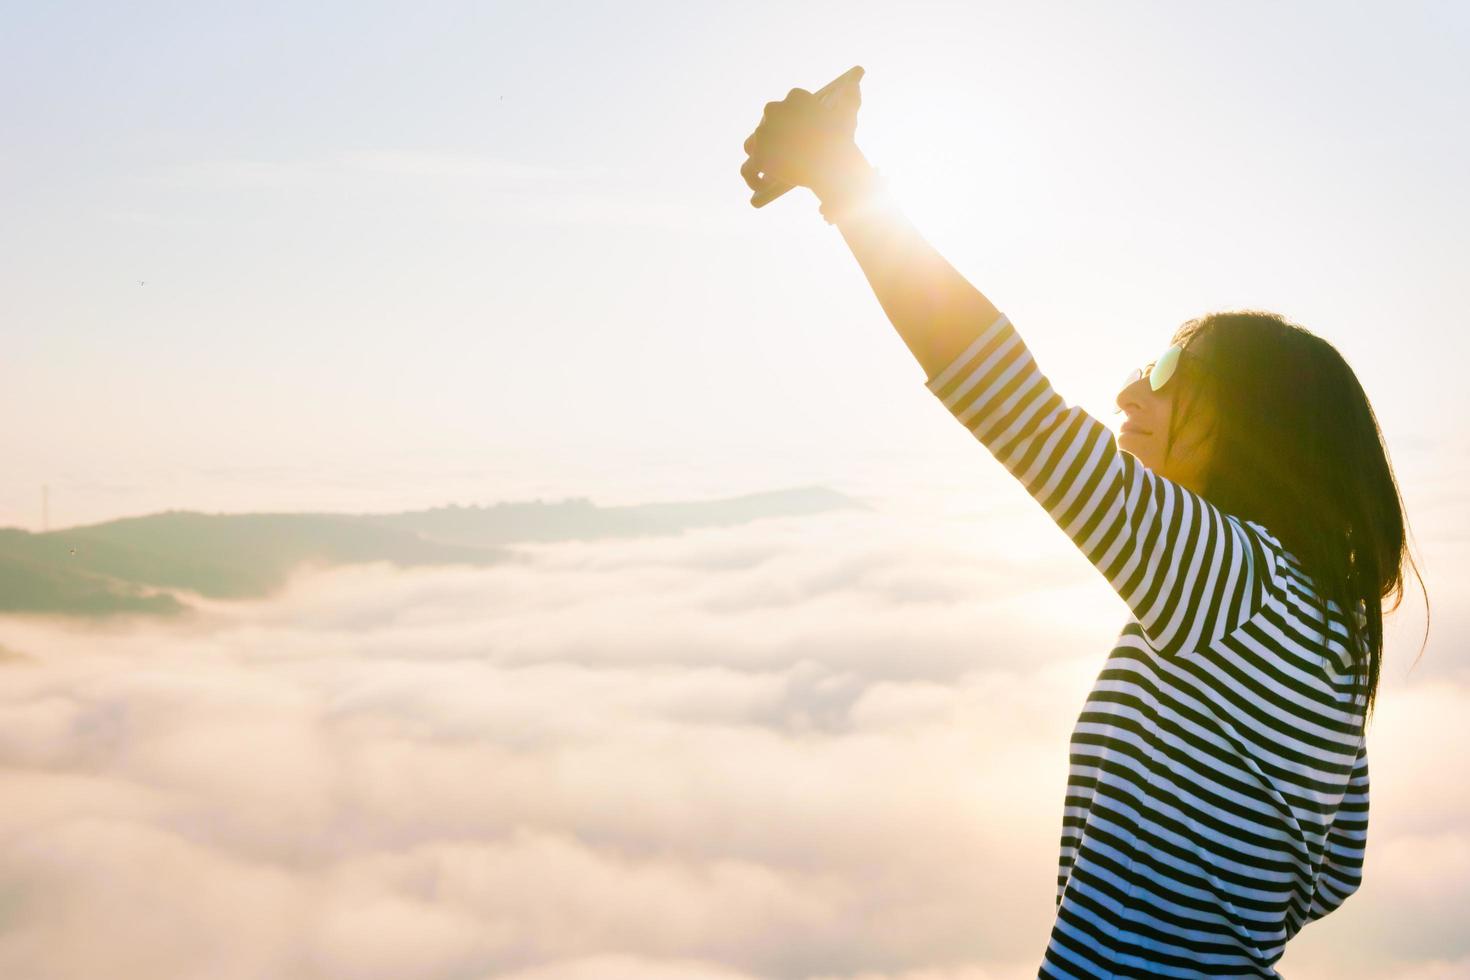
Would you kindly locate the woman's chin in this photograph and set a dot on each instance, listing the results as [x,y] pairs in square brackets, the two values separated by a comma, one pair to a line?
[1133,445]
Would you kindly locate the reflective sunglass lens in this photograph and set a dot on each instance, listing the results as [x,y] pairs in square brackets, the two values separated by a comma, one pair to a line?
[1163,368]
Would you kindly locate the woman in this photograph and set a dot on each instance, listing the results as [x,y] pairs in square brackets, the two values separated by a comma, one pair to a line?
[1217,798]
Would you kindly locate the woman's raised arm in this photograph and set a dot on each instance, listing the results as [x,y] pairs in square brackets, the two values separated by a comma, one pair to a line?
[804,143]
[1190,573]
[934,308]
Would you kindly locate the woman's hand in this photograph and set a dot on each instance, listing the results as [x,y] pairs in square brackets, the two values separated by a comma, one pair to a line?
[804,143]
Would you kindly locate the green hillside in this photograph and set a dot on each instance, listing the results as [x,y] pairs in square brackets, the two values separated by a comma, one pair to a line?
[133,565]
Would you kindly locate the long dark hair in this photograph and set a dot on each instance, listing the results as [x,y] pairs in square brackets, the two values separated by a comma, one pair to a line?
[1298,450]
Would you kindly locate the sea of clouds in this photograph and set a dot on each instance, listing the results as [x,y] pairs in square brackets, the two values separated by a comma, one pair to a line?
[831,747]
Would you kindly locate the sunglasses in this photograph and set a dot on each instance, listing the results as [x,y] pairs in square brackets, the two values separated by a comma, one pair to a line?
[1158,372]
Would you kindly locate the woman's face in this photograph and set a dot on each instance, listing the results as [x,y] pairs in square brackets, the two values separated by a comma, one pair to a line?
[1145,429]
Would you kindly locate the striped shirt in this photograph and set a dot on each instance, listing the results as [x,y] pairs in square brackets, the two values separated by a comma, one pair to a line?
[1217,793]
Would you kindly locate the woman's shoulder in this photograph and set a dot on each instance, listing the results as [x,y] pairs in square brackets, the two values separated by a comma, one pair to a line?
[1288,586]
[1287,573]
[1272,558]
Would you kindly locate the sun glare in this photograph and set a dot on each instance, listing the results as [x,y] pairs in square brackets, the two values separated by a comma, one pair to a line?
[926,159]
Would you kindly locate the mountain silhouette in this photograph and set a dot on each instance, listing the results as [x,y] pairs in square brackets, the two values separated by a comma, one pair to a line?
[132,565]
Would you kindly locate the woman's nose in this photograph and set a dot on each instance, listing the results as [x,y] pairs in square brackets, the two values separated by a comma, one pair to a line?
[1128,397]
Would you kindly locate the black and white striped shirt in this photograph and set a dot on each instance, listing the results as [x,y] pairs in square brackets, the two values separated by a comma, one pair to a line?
[1217,797]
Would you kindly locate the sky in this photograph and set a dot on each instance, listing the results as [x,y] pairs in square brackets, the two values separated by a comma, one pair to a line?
[445,238]
[372,257]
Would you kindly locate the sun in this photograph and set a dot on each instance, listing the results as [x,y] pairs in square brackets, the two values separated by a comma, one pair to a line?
[941,153]
[933,168]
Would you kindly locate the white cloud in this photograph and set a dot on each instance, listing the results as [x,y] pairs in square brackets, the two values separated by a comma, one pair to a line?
[620,965]
[830,748]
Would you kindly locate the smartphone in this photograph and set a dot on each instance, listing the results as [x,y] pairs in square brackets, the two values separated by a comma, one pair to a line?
[827,94]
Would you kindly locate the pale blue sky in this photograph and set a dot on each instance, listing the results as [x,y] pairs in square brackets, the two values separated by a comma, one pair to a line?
[471,229]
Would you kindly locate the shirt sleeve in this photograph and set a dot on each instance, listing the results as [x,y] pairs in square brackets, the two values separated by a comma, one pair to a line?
[1347,841]
[1190,573]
